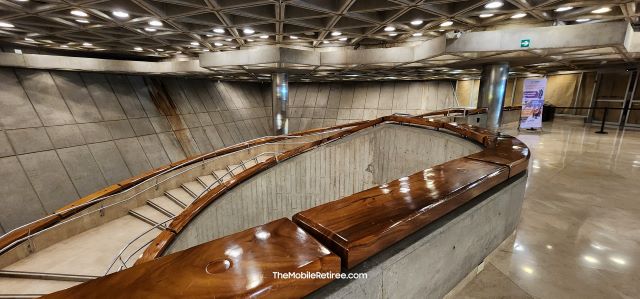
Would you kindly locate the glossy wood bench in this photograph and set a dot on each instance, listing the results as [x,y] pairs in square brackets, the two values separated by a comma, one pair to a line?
[239,265]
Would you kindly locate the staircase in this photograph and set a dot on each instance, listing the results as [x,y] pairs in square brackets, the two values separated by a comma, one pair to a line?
[111,246]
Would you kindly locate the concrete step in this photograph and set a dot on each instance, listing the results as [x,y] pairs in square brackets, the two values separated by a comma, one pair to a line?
[235,169]
[222,173]
[208,180]
[264,158]
[166,204]
[194,188]
[249,163]
[148,214]
[181,196]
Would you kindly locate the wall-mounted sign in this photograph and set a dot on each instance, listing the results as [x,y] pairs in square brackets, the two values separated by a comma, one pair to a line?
[532,102]
[525,43]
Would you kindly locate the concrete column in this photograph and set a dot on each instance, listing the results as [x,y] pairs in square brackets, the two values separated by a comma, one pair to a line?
[493,84]
[279,103]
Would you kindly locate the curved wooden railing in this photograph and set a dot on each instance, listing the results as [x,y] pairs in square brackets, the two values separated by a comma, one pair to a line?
[9,239]
[367,223]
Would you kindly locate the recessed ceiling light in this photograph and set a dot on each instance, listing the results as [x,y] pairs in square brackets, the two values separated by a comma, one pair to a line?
[416,22]
[64,46]
[583,20]
[6,25]
[195,43]
[264,36]
[519,15]
[602,10]
[248,31]
[293,37]
[417,34]
[564,8]
[336,33]
[494,4]
[389,28]
[150,29]
[217,44]
[83,21]
[249,40]
[87,44]
[342,39]
[486,15]
[160,50]
[79,13]
[393,34]
[446,24]
[155,23]
[228,39]
[325,41]
[138,48]
[120,14]
[218,30]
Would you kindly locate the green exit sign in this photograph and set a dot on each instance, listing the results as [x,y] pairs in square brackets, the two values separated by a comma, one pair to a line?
[525,43]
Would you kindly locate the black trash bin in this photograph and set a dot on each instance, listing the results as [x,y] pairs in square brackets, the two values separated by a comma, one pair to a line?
[548,112]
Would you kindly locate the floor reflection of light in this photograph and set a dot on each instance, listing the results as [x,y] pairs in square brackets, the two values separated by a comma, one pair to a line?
[263,235]
[549,247]
[618,260]
[518,247]
[597,246]
[591,259]
[527,269]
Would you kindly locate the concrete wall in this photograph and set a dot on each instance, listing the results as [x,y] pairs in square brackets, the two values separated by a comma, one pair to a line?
[64,135]
[431,262]
[358,162]
[314,105]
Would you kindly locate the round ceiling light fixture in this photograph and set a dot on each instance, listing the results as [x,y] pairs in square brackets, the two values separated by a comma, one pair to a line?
[248,31]
[137,49]
[264,36]
[336,33]
[218,30]
[416,22]
[486,15]
[195,43]
[293,37]
[564,8]
[494,4]
[217,44]
[519,15]
[155,23]
[389,28]
[393,34]
[120,14]
[325,41]
[417,34]
[6,25]
[149,29]
[79,13]
[446,24]
[583,20]
[83,21]
[342,39]
[87,44]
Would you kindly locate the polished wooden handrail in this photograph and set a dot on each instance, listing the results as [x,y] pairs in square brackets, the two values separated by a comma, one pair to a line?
[240,265]
[13,236]
[9,239]
[355,227]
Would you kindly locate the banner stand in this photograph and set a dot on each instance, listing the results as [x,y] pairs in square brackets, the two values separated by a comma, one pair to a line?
[532,104]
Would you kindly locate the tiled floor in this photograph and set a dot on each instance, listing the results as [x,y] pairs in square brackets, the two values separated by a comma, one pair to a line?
[579,235]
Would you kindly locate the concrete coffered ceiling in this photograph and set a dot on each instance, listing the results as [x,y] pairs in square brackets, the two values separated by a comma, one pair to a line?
[166,29]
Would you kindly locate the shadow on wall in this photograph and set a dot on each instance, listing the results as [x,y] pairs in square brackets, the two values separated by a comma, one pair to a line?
[64,135]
